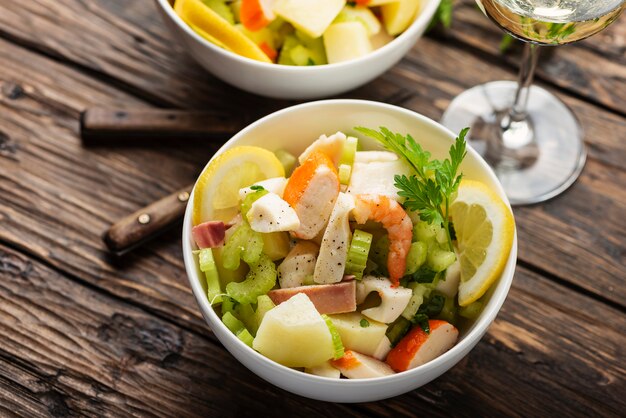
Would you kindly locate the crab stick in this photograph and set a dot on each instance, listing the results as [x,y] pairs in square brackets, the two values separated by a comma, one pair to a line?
[355,365]
[417,347]
[312,191]
[256,14]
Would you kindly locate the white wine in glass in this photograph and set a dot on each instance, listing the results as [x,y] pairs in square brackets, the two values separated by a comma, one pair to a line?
[530,138]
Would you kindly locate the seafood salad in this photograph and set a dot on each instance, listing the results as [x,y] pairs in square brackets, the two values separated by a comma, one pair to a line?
[344,262]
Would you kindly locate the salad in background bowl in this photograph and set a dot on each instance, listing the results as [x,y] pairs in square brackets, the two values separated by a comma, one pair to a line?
[325,50]
[286,288]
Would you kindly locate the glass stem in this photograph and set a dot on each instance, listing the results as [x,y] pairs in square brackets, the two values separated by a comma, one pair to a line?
[517,112]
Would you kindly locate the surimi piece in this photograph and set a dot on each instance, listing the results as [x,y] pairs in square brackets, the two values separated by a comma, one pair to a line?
[209,234]
[418,348]
[355,365]
[299,263]
[327,298]
[273,185]
[393,299]
[329,145]
[325,370]
[331,261]
[270,213]
[312,191]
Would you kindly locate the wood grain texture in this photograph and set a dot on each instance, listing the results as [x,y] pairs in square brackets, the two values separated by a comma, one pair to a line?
[129,43]
[66,349]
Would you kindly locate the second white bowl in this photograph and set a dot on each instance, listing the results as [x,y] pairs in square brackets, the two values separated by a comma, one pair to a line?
[291,82]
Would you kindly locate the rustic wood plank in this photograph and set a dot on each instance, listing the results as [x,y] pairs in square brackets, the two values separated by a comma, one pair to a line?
[128,42]
[67,349]
[594,68]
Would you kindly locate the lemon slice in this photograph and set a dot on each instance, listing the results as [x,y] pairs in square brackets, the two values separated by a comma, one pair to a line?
[214,27]
[216,193]
[484,228]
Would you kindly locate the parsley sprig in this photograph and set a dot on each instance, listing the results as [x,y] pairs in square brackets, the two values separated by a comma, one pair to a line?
[430,190]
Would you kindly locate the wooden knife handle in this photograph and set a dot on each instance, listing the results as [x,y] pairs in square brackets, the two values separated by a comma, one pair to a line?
[147,222]
[104,126]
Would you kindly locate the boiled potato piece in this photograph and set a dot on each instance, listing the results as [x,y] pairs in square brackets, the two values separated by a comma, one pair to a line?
[399,15]
[363,339]
[346,41]
[310,16]
[294,334]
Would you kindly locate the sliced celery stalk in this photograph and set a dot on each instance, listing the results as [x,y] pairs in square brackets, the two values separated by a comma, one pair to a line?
[208,267]
[416,257]
[439,260]
[244,244]
[237,328]
[420,292]
[397,330]
[358,252]
[472,310]
[348,152]
[337,344]
[250,199]
[345,171]
[259,280]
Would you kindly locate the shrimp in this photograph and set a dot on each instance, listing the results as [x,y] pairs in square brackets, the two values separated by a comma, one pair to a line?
[395,220]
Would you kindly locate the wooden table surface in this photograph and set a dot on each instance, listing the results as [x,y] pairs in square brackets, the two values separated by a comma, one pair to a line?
[82,332]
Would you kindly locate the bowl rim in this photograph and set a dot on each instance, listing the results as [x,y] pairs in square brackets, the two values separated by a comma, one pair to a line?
[420,22]
[479,328]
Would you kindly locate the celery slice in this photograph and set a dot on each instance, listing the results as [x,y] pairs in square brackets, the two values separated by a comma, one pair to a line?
[397,330]
[439,260]
[259,280]
[250,198]
[357,253]
[208,267]
[287,159]
[348,151]
[380,252]
[337,344]
[472,310]
[236,327]
[244,244]
[420,291]
[245,336]
[416,257]
[345,171]
[232,323]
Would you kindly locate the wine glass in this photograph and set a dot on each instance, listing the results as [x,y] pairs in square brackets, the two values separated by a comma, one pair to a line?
[532,140]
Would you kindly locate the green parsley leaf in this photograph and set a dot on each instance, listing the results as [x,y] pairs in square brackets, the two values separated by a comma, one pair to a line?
[430,189]
[364,323]
[256,187]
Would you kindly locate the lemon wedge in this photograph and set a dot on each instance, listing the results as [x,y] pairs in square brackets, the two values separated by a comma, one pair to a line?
[484,228]
[215,28]
[216,193]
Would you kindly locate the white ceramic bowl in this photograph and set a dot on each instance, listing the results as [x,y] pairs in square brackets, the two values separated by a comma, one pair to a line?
[290,82]
[293,129]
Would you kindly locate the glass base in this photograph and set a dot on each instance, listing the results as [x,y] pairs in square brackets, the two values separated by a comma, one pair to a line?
[536,158]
